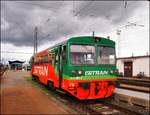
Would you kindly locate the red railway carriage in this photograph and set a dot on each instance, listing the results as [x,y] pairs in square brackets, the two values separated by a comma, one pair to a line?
[83,66]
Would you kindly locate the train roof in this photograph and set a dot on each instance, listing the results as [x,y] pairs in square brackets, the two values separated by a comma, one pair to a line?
[81,39]
[89,40]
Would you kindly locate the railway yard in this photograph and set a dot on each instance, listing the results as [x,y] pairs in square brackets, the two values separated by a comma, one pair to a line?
[75,58]
[21,95]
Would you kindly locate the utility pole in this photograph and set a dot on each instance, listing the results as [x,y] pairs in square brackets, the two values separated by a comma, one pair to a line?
[119,37]
[125,6]
[35,39]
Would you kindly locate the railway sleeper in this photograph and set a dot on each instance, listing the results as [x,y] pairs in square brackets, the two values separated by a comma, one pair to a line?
[134,101]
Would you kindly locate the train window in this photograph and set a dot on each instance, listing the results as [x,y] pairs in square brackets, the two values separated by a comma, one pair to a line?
[40,59]
[51,58]
[106,55]
[82,54]
[45,59]
[56,56]
[64,54]
[35,61]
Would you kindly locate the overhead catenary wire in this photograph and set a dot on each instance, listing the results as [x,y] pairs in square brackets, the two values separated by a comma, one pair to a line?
[36,4]
[118,31]
[15,52]
[86,6]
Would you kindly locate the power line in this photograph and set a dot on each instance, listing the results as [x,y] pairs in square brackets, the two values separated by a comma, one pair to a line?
[134,24]
[83,8]
[35,4]
[40,27]
[15,52]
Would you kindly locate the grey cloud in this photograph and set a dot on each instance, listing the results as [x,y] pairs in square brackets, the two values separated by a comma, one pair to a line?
[114,11]
[56,19]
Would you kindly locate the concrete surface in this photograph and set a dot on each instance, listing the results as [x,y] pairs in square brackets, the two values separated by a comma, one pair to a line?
[18,96]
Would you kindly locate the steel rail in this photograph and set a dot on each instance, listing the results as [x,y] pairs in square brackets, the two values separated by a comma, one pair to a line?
[90,106]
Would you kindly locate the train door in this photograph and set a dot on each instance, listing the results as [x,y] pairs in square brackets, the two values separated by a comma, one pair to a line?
[60,61]
[128,69]
[59,65]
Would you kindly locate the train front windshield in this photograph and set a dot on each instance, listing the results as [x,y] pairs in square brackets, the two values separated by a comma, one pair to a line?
[106,55]
[82,54]
[86,54]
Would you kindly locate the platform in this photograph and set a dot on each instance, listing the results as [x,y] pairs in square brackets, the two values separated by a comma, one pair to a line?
[132,97]
[133,93]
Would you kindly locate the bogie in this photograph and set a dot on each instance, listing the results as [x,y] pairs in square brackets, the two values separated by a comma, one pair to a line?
[50,85]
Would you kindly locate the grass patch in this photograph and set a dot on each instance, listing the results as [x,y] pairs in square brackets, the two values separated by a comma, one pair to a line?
[54,95]
[28,78]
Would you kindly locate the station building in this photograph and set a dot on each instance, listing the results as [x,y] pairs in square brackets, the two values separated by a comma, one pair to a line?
[134,66]
[15,65]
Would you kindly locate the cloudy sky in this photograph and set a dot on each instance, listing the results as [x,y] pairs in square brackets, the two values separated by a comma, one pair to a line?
[59,20]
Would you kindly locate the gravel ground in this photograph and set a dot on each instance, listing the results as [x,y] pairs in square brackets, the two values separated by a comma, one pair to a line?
[20,97]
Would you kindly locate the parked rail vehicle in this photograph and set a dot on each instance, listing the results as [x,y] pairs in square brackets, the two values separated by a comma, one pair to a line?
[83,66]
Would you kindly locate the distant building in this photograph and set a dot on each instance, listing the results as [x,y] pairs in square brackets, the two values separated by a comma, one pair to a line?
[134,66]
[16,65]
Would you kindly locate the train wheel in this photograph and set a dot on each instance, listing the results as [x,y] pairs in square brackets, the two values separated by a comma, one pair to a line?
[50,86]
[33,77]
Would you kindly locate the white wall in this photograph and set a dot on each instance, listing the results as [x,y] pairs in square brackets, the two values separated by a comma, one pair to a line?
[120,66]
[139,65]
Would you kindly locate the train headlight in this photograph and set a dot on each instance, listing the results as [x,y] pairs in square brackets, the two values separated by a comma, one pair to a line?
[114,71]
[74,73]
[77,72]
[72,86]
[111,71]
[80,72]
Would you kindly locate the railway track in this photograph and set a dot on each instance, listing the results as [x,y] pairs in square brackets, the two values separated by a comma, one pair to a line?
[134,84]
[99,106]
